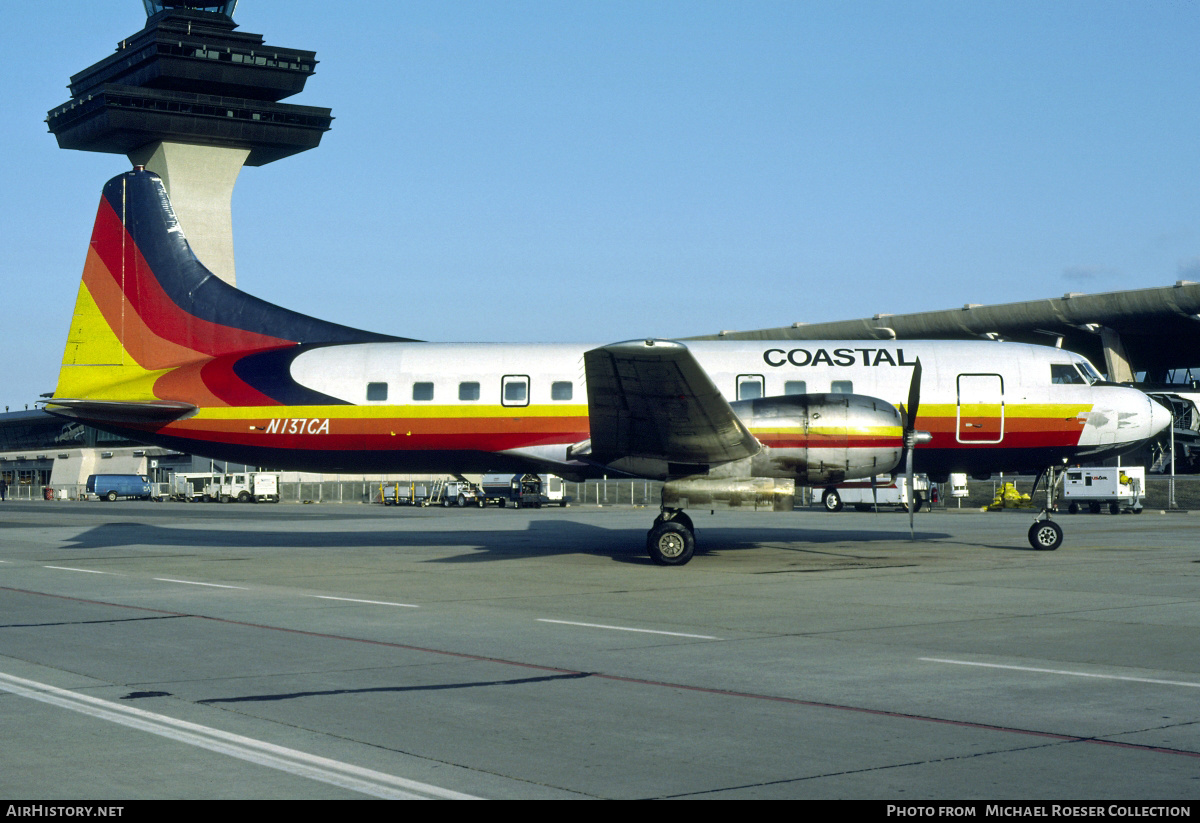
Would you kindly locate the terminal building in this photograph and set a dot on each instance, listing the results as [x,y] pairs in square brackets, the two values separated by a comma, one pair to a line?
[39,450]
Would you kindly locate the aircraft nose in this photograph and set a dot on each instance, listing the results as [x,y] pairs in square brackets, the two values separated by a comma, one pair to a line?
[1160,417]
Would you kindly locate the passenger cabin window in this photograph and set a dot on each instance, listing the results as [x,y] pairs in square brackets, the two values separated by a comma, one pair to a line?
[749,386]
[1065,373]
[561,390]
[422,391]
[795,387]
[842,387]
[468,391]
[377,391]
[514,390]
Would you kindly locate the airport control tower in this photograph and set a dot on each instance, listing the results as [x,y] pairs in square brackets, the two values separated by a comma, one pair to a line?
[193,101]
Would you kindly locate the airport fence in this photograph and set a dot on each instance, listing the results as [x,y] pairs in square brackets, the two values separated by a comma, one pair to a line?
[614,493]
[640,492]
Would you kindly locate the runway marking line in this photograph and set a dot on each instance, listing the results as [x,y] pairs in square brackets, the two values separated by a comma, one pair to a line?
[795,701]
[1063,672]
[280,758]
[368,602]
[195,583]
[69,569]
[626,629]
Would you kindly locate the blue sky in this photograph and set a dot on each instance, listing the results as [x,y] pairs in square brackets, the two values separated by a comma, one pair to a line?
[600,171]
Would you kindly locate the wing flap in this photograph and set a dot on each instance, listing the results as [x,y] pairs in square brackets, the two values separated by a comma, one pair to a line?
[651,399]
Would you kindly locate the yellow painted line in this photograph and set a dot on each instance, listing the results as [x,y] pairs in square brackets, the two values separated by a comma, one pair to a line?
[386,412]
[1026,410]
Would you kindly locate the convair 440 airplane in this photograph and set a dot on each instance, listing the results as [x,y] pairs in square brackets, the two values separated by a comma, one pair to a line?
[162,351]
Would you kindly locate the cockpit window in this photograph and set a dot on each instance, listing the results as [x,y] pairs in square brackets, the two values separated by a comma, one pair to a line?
[1062,373]
[1089,371]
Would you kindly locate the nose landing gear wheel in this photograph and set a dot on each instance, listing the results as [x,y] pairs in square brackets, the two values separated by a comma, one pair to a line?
[1045,535]
[670,543]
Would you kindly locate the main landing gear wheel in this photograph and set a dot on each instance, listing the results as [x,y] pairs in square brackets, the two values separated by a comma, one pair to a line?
[670,543]
[1045,535]
[678,516]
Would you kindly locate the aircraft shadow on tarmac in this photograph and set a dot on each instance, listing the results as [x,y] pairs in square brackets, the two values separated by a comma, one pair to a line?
[543,538]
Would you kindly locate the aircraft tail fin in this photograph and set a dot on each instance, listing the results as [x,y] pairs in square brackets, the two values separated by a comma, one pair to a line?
[147,306]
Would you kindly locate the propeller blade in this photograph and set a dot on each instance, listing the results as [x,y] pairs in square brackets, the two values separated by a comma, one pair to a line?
[910,441]
[912,496]
[914,396]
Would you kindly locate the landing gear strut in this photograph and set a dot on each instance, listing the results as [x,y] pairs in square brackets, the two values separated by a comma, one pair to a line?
[671,541]
[1045,534]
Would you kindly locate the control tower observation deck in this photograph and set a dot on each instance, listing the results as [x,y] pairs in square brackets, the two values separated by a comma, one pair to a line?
[193,100]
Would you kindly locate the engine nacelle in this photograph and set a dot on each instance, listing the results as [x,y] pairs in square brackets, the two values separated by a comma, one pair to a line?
[817,439]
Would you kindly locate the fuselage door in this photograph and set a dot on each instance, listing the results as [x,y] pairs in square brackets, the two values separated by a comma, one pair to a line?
[980,408]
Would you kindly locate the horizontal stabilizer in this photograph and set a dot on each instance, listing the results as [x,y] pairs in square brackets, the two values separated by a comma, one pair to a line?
[114,411]
[650,399]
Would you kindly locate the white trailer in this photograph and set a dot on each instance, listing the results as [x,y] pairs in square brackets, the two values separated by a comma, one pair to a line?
[193,486]
[264,486]
[1114,487]
[889,491]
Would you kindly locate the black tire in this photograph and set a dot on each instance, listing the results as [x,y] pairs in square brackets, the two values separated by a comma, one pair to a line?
[111,497]
[1114,508]
[831,500]
[679,516]
[1045,535]
[244,497]
[462,501]
[670,543]
[501,503]
[1094,507]
[1073,508]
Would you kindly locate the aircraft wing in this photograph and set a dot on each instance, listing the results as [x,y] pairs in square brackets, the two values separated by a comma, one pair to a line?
[650,399]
